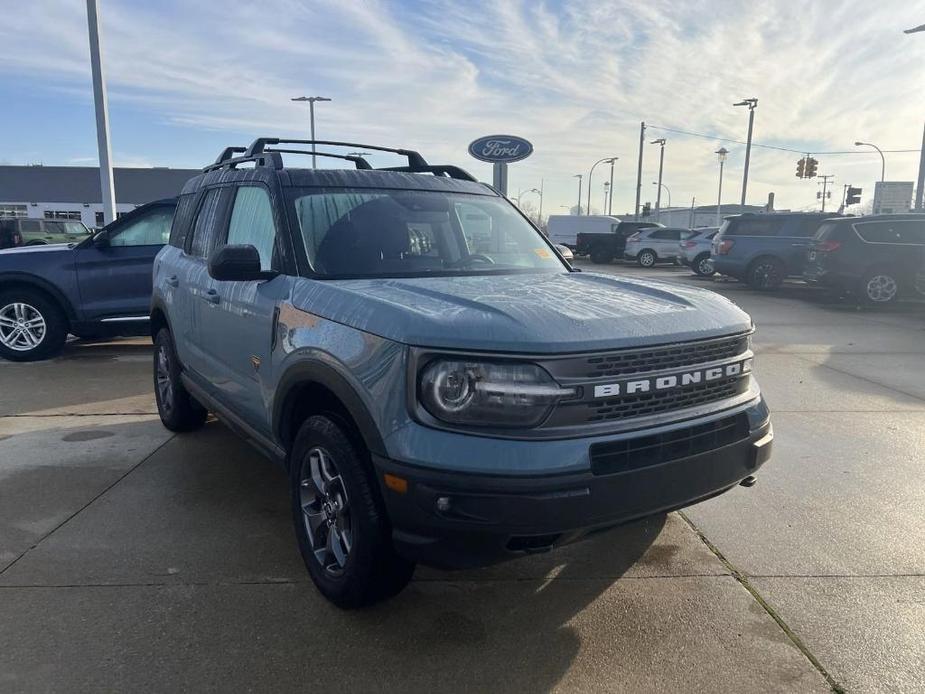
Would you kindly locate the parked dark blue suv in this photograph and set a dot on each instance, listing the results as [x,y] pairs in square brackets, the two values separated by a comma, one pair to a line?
[98,287]
[764,249]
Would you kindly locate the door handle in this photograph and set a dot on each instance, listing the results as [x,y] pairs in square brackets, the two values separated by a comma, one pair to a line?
[211,296]
[173,281]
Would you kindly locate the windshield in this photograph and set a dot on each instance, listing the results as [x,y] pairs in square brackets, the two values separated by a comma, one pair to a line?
[402,233]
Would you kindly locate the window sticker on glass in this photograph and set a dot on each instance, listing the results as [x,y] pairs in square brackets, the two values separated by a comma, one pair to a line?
[542,252]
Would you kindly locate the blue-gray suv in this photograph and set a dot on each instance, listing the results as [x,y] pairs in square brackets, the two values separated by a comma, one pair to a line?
[763,249]
[440,384]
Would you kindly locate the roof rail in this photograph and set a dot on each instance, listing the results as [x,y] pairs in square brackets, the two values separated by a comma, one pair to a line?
[437,170]
[271,159]
[415,160]
[360,162]
[228,153]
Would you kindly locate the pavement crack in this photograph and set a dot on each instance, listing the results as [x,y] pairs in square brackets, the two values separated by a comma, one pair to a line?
[86,505]
[742,578]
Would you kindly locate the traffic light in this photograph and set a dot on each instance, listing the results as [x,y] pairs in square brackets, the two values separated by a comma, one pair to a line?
[647,209]
[801,168]
[852,196]
[811,166]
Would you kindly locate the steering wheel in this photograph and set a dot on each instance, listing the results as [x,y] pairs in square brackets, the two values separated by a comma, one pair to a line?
[481,257]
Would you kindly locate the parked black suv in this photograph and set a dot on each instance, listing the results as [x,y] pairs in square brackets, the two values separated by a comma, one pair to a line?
[876,258]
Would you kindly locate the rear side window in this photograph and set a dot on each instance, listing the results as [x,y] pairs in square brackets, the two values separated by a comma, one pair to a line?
[30,226]
[666,235]
[891,232]
[182,219]
[832,232]
[754,227]
[804,228]
[204,230]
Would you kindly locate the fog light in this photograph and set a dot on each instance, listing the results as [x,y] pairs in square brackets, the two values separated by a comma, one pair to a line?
[443,504]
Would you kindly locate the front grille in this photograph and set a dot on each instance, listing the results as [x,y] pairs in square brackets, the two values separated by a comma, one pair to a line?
[641,404]
[662,358]
[644,451]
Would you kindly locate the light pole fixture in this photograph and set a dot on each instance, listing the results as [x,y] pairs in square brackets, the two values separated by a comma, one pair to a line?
[915,30]
[610,193]
[661,164]
[752,105]
[721,154]
[532,190]
[311,111]
[882,158]
[667,190]
[579,177]
[591,173]
[606,191]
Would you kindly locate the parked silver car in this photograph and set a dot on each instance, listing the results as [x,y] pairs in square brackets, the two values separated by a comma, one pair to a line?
[696,250]
[565,252]
[650,246]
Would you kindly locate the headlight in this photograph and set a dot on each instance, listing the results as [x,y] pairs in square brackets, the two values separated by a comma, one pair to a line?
[488,394]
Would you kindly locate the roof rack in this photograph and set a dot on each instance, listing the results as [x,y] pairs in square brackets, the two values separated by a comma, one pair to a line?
[261,155]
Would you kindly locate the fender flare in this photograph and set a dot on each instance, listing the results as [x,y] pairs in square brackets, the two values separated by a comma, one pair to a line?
[40,283]
[328,376]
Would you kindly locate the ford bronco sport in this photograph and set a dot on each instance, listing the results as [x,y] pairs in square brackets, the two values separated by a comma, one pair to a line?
[440,385]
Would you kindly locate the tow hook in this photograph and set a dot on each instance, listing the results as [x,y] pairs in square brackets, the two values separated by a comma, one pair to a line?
[749,481]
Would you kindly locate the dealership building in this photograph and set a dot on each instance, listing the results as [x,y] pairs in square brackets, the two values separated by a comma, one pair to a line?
[73,192]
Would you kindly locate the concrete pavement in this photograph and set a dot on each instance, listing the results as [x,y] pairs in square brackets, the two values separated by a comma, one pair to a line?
[132,559]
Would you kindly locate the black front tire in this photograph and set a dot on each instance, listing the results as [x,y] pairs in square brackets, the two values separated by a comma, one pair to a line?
[178,410]
[49,339]
[371,570]
[703,266]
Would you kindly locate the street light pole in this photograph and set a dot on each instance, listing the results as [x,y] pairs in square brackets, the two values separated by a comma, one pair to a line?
[882,158]
[591,173]
[101,106]
[642,142]
[606,190]
[311,114]
[752,105]
[721,153]
[610,196]
[667,190]
[661,164]
[579,176]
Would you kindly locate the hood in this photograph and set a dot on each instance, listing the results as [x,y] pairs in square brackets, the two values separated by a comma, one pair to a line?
[39,248]
[535,313]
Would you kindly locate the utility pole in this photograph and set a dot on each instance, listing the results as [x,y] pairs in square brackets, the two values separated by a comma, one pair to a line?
[690,222]
[610,197]
[541,201]
[578,176]
[825,184]
[661,164]
[752,105]
[921,183]
[642,142]
[844,196]
[101,105]
[721,153]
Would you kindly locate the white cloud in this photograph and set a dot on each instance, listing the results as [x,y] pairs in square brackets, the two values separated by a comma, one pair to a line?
[575,80]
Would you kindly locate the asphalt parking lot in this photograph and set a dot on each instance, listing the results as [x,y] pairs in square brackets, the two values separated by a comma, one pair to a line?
[133,559]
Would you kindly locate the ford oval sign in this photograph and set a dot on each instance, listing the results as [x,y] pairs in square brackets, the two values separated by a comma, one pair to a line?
[500,149]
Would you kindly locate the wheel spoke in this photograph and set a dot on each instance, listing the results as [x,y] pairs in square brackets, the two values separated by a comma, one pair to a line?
[314,522]
[335,547]
[317,467]
[9,322]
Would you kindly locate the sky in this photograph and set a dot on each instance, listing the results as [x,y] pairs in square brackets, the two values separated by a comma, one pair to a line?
[575,78]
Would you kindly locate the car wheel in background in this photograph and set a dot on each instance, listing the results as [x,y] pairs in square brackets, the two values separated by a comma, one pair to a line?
[601,256]
[32,326]
[340,520]
[765,273]
[646,258]
[703,265]
[880,287]
[178,410]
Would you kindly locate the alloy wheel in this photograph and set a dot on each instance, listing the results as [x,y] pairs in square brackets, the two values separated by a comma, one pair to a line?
[22,327]
[705,266]
[766,275]
[881,288]
[647,259]
[325,510]
[164,384]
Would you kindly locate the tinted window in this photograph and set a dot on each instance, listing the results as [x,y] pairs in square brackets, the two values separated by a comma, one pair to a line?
[30,226]
[151,229]
[182,219]
[891,232]
[832,232]
[204,231]
[369,233]
[804,228]
[666,235]
[753,227]
[252,223]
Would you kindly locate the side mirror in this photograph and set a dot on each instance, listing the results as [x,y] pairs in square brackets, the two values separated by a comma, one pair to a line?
[236,263]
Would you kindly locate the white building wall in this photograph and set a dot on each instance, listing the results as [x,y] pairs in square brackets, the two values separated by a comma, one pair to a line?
[88,212]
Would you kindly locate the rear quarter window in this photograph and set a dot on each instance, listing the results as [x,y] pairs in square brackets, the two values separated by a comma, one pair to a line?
[181,220]
[754,227]
[885,232]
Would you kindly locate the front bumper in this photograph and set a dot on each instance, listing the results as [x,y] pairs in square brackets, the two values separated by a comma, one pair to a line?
[462,520]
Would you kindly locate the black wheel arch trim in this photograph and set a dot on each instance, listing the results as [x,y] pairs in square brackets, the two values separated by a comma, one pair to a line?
[315,371]
[16,277]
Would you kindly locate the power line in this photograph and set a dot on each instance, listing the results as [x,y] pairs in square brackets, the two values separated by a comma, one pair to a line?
[756,144]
